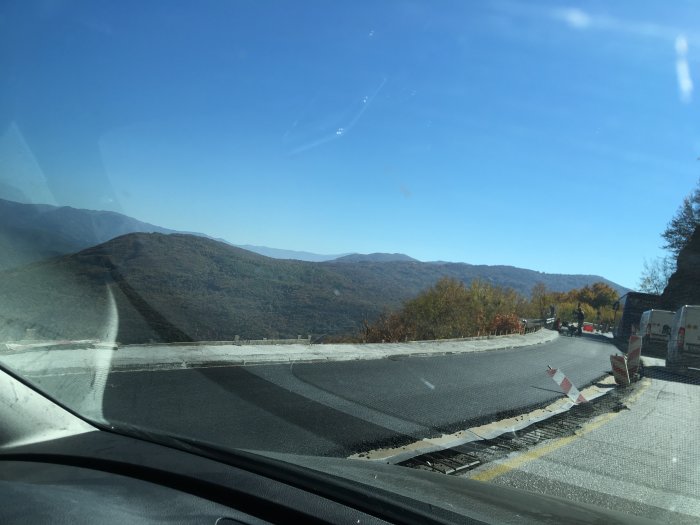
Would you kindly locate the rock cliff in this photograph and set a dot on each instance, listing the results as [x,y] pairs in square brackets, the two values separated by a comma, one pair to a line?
[684,285]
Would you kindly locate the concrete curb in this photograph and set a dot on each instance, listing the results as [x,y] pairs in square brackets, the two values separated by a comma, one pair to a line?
[173,357]
[483,432]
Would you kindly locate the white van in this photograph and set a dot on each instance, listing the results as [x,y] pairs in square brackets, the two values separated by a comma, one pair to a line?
[684,344]
[655,326]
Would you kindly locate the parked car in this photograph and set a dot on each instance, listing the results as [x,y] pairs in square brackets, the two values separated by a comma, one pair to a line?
[655,326]
[683,347]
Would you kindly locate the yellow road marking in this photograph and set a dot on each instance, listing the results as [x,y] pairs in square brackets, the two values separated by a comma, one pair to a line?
[530,455]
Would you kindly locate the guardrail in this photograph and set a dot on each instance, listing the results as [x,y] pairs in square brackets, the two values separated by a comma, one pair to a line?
[531,325]
[236,342]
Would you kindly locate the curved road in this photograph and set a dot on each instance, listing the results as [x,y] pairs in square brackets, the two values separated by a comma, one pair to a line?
[341,408]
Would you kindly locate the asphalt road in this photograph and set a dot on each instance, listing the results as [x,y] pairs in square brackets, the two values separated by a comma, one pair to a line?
[642,460]
[340,408]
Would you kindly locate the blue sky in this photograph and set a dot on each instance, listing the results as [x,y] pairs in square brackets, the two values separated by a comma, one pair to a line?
[535,134]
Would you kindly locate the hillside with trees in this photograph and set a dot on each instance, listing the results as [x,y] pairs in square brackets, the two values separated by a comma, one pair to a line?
[34,232]
[415,276]
[182,287]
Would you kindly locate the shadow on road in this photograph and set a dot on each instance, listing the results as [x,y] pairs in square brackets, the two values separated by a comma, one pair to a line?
[657,350]
[601,384]
[596,337]
[546,389]
[690,376]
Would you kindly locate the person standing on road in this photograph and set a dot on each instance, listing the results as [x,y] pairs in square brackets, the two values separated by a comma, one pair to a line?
[579,317]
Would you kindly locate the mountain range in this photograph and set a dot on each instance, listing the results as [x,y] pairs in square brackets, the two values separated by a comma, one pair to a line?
[178,287]
[277,253]
[32,232]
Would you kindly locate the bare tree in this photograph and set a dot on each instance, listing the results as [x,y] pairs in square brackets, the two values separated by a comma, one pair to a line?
[539,299]
[656,274]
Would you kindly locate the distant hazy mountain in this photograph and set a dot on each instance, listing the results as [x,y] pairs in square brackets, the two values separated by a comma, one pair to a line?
[276,253]
[375,257]
[416,275]
[31,232]
[182,287]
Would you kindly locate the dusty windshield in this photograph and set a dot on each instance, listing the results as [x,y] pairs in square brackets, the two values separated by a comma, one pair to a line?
[438,236]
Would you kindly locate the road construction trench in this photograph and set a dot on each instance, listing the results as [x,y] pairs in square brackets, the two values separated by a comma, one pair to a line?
[545,427]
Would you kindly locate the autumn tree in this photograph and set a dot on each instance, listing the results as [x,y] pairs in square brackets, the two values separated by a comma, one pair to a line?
[598,295]
[596,301]
[441,312]
[449,309]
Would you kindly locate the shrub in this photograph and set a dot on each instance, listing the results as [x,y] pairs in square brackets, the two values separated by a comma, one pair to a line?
[449,310]
[506,324]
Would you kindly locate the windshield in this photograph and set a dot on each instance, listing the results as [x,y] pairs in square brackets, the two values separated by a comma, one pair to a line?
[401,232]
